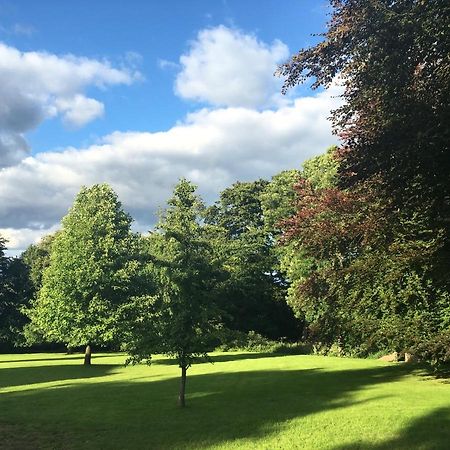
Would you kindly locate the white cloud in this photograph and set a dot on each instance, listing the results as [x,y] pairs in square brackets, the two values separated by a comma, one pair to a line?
[79,110]
[23,237]
[37,85]
[213,148]
[225,67]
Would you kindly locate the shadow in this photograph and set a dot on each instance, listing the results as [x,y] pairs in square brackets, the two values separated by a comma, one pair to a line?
[18,376]
[224,357]
[431,432]
[61,358]
[221,407]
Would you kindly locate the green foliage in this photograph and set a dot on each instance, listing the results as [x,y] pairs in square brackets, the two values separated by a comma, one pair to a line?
[181,317]
[368,285]
[322,170]
[233,340]
[294,263]
[278,199]
[15,289]
[253,295]
[37,259]
[92,271]
[239,208]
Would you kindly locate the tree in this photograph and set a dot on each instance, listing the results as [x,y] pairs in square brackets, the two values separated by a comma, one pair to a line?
[278,199]
[253,295]
[181,317]
[15,289]
[393,60]
[91,272]
[37,258]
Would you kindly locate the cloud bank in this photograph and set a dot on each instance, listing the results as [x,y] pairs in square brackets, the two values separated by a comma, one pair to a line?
[38,85]
[246,132]
[212,147]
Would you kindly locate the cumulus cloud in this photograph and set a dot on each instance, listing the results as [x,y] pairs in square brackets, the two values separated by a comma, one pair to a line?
[37,85]
[212,147]
[79,110]
[226,67]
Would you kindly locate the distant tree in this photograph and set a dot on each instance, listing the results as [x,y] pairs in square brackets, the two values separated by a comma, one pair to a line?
[239,208]
[91,272]
[253,295]
[15,289]
[322,171]
[37,258]
[278,199]
[181,316]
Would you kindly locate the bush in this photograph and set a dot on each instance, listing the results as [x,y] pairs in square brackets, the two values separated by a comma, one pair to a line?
[232,340]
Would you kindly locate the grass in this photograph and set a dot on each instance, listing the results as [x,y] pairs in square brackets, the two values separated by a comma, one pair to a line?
[246,401]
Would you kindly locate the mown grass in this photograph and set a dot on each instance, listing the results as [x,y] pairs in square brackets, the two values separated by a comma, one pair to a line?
[241,401]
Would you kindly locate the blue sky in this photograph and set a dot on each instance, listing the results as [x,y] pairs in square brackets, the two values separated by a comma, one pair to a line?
[139,93]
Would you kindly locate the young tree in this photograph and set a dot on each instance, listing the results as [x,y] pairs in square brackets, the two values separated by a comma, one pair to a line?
[91,272]
[180,319]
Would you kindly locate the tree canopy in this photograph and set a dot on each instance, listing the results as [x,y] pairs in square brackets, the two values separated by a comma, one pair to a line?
[91,271]
[380,238]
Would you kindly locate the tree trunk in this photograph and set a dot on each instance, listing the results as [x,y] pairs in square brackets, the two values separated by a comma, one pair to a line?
[87,355]
[181,401]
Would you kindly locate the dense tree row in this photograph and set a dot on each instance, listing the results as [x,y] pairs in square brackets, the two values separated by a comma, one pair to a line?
[378,241]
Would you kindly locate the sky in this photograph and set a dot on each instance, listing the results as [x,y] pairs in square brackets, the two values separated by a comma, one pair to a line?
[140,93]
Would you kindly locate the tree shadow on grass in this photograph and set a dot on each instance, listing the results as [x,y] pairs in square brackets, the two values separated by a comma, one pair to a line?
[431,432]
[79,356]
[18,376]
[223,357]
[222,407]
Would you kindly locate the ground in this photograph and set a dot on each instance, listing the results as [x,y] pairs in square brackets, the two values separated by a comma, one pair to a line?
[247,401]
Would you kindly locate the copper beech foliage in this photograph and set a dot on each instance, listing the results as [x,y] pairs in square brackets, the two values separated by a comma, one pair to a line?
[379,240]
[393,59]
[332,222]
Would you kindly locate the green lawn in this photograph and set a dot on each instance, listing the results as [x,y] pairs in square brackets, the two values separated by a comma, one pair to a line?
[240,401]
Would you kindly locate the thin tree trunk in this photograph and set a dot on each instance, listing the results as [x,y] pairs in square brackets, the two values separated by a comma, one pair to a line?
[181,401]
[87,355]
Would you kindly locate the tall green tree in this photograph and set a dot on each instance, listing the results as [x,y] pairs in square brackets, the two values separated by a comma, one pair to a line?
[91,272]
[280,201]
[181,316]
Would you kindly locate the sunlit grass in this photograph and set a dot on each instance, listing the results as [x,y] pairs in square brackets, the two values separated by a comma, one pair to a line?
[240,401]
